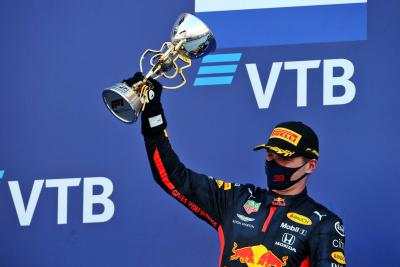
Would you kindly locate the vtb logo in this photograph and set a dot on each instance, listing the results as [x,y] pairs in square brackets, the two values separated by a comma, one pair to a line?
[222,74]
[91,199]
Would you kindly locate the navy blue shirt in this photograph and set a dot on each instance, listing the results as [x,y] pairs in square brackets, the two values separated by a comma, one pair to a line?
[256,227]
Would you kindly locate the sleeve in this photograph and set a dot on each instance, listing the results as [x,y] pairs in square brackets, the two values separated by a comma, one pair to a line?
[327,244]
[206,197]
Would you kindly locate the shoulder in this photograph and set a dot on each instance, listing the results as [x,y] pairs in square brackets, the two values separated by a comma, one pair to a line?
[324,219]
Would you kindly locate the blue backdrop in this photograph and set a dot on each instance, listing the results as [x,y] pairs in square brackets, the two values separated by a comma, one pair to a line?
[56,57]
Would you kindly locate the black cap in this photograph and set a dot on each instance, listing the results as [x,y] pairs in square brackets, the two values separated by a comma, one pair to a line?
[291,139]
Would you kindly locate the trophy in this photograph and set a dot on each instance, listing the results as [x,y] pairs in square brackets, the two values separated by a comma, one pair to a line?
[190,39]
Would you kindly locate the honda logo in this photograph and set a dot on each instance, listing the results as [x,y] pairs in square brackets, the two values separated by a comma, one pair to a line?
[288,239]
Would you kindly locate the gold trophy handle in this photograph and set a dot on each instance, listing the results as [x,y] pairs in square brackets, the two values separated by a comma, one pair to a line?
[156,52]
[142,87]
[180,71]
[171,52]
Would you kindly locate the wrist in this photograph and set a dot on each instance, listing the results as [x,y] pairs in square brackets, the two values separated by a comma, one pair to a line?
[153,120]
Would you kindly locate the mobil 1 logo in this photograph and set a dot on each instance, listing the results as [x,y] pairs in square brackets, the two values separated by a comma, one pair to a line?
[293,228]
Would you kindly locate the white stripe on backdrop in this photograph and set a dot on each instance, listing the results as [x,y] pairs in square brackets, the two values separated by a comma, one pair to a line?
[224,5]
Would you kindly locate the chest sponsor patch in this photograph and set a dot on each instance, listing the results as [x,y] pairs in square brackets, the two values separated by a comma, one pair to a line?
[257,256]
[287,242]
[338,256]
[251,206]
[320,215]
[225,185]
[244,224]
[293,228]
[220,183]
[298,218]
[279,201]
[339,228]
[244,218]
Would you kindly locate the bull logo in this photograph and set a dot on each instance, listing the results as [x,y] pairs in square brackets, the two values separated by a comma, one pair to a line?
[257,256]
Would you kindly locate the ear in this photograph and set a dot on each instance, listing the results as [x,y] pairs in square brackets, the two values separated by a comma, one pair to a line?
[311,165]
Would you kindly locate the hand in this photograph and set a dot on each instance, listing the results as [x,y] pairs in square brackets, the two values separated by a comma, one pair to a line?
[132,80]
[153,120]
[154,92]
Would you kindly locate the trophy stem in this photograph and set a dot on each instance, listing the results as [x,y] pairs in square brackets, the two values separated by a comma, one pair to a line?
[179,45]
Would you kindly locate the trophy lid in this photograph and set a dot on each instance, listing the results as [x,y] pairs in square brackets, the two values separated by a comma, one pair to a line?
[199,40]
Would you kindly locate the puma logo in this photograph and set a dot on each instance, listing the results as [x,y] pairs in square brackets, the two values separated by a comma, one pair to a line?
[251,193]
[319,215]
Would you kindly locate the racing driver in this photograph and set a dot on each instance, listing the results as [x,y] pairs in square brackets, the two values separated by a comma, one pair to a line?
[257,227]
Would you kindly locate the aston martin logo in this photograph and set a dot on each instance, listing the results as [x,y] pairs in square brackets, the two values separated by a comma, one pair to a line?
[244,218]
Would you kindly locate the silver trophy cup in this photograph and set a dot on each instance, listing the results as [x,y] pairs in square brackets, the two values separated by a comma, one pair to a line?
[190,39]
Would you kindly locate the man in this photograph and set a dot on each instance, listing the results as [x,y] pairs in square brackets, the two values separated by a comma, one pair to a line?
[280,227]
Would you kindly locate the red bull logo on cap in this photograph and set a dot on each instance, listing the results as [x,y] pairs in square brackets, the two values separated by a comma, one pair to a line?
[257,256]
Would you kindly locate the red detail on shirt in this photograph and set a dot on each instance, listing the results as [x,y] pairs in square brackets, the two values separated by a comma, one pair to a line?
[177,194]
[272,210]
[278,201]
[161,170]
[306,262]
[221,244]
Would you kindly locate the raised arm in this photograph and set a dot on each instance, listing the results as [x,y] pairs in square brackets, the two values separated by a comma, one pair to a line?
[206,197]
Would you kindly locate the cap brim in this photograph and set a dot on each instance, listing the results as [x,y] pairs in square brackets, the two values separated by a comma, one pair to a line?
[263,146]
[277,150]
[281,152]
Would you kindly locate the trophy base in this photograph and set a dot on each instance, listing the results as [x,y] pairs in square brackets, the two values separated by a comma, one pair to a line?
[123,102]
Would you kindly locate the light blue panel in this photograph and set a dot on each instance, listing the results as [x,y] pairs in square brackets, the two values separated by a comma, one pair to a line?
[222,58]
[213,80]
[217,69]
